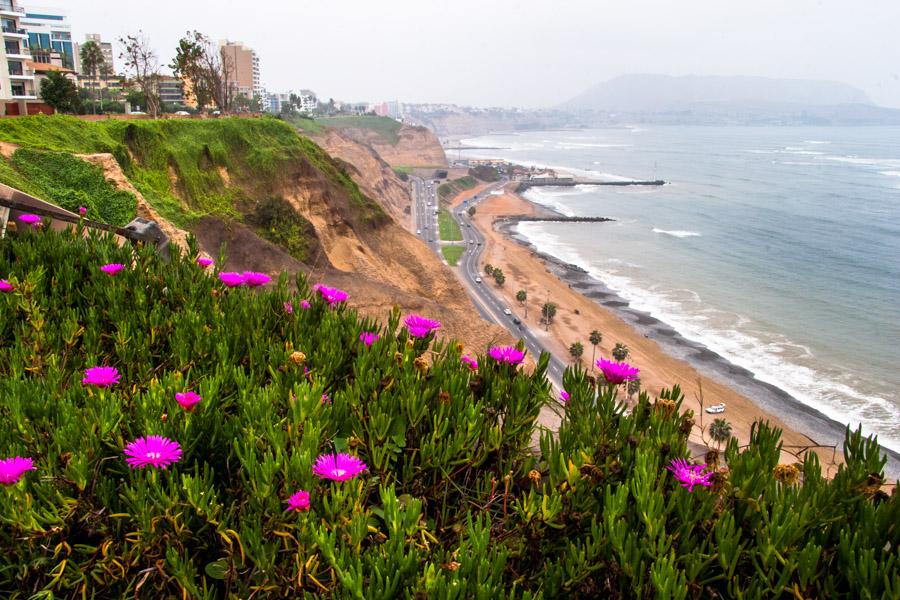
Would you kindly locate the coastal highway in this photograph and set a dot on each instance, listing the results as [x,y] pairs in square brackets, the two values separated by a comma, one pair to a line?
[490,306]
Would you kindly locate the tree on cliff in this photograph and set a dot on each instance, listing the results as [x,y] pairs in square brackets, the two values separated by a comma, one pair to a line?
[209,70]
[595,338]
[142,68]
[620,352]
[548,311]
[576,350]
[59,92]
[91,63]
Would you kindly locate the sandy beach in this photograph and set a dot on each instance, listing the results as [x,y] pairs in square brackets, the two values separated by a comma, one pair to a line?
[584,305]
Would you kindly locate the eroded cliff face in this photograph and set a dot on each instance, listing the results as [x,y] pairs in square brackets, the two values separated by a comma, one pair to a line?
[415,147]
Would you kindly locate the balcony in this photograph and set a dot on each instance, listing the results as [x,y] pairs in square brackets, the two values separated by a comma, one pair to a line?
[15,31]
[7,7]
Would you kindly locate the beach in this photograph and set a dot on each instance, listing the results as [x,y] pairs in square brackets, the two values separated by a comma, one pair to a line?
[664,357]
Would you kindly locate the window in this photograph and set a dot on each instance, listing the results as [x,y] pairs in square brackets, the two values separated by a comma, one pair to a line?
[12,48]
[18,89]
[15,68]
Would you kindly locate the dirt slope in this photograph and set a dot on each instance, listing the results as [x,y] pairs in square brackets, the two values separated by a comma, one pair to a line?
[416,146]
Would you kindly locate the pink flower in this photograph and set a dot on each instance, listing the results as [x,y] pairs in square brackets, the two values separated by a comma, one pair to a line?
[330,295]
[299,501]
[689,475]
[204,262]
[507,354]
[82,211]
[470,362]
[188,400]
[338,467]
[326,399]
[368,338]
[231,279]
[6,286]
[254,279]
[419,327]
[112,268]
[101,376]
[304,304]
[12,469]
[30,219]
[288,308]
[616,372]
[152,451]
[563,396]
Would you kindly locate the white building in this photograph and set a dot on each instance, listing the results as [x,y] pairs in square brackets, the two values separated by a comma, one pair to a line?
[17,85]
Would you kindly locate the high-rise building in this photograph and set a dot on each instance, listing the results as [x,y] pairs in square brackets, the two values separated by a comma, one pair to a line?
[245,68]
[49,30]
[105,47]
[18,95]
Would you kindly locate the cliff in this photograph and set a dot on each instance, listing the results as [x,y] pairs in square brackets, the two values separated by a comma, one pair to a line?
[400,145]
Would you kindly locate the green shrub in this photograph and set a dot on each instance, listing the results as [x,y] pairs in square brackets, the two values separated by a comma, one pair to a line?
[455,502]
[277,221]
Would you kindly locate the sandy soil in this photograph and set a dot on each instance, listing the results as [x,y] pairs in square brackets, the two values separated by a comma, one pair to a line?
[577,316]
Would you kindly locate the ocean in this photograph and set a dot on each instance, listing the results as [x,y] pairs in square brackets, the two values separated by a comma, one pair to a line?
[776,247]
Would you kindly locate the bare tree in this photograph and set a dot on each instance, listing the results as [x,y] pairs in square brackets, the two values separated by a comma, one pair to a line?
[142,68]
[210,70]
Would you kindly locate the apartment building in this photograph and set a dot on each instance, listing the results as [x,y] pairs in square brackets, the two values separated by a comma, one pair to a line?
[18,91]
[49,30]
[245,64]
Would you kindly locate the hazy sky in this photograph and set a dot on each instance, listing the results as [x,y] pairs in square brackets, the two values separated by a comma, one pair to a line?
[521,53]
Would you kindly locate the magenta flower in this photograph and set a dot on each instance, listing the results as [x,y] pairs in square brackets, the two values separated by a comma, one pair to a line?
[507,354]
[299,501]
[304,304]
[331,295]
[101,376]
[470,362]
[12,469]
[689,475]
[204,262]
[563,396]
[188,400]
[112,268]
[419,327]
[616,372]
[6,286]
[338,467]
[231,279]
[326,399]
[152,451]
[82,211]
[30,219]
[368,338]
[254,279]
[288,308]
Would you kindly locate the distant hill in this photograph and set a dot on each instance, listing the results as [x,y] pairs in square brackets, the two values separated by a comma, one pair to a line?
[663,93]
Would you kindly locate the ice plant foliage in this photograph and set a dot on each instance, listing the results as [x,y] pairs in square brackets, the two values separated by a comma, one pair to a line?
[419,327]
[204,262]
[231,279]
[112,268]
[188,400]
[299,501]
[338,467]
[254,279]
[101,376]
[6,286]
[152,451]
[689,475]
[470,362]
[616,372]
[12,469]
[507,354]
[330,295]
[368,338]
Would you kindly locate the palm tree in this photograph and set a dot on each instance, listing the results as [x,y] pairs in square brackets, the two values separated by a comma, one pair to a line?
[576,350]
[499,277]
[720,431]
[488,268]
[595,338]
[522,296]
[105,73]
[620,352]
[633,387]
[91,62]
[548,311]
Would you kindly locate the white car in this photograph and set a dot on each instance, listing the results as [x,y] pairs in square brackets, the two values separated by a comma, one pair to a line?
[716,409]
[418,232]
[507,312]
[478,280]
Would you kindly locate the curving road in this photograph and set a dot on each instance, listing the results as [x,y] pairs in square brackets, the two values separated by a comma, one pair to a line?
[490,306]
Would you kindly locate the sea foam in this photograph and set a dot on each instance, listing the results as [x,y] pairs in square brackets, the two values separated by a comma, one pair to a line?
[679,233]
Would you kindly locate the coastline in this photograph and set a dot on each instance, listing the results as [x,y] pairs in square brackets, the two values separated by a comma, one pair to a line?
[655,345]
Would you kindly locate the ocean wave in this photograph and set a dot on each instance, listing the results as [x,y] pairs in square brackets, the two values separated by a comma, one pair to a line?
[890,173]
[818,142]
[868,162]
[679,233]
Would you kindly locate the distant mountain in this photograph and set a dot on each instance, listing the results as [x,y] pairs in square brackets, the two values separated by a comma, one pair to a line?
[663,93]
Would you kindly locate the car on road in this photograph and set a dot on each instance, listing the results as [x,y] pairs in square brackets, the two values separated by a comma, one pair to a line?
[716,409]
[507,312]
[478,280]
[418,232]
[517,321]
[430,240]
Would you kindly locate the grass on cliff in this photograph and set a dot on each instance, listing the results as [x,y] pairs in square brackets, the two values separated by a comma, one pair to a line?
[190,168]
[448,190]
[387,128]
[447,227]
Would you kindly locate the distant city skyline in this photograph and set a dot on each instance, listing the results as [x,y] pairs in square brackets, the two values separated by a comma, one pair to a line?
[522,53]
